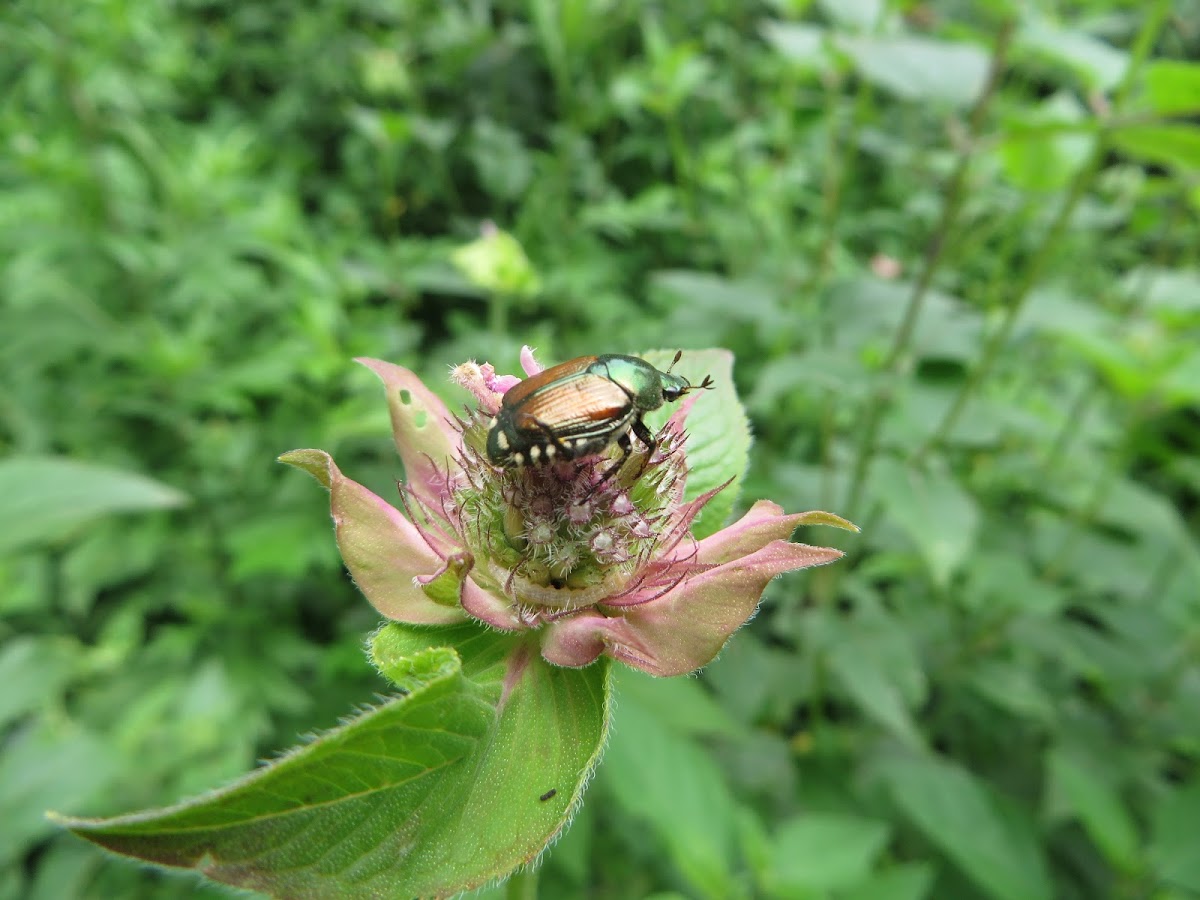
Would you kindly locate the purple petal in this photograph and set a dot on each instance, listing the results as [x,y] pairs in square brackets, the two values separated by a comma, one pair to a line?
[529,365]
[421,425]
[488,607]
[481,381]
[383,550]
[581,639]
[686,627]
[682,518]
[763,523]
[502,384]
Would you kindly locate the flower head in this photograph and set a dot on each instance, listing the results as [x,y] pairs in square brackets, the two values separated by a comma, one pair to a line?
[590,557]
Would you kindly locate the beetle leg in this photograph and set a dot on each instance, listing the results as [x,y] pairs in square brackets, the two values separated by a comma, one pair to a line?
[644,435]
[626,448]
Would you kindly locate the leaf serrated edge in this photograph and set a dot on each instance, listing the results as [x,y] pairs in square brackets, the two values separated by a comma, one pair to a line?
[84,826]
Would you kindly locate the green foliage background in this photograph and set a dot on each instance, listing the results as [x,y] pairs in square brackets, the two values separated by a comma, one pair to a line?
[971,326]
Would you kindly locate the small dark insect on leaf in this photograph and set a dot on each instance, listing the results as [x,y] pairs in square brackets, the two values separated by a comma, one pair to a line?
[550,793]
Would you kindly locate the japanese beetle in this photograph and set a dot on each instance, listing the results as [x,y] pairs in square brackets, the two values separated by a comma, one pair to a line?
[582,407]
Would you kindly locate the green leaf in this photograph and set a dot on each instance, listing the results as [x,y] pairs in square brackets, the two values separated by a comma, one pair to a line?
[1172,87]
[44,765]
[1168,292]
[824,852]
[801,44]
[1046,147]
[997,850]
[1013,687]
[941,518]
[918,68]
[1100,65]
[669,784]
[877,669]
[1169,145]
[702,304]
[462,778]
[680,703]
[32,670]
[860,15]
[47,497]
[1173,850]
[501,159]
[871,309]
[718,443]
[1098,806]
[910,881]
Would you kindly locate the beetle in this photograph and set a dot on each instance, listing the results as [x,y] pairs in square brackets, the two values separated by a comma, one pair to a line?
[582,407]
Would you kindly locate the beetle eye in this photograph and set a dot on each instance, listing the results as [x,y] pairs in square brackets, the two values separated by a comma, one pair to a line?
[672,392]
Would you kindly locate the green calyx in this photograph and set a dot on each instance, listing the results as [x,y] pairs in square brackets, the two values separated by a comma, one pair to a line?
[444,587]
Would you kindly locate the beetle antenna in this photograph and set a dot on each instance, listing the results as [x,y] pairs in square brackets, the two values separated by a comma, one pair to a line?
[678,356]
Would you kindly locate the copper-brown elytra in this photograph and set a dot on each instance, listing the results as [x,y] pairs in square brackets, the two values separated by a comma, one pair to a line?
[582,407]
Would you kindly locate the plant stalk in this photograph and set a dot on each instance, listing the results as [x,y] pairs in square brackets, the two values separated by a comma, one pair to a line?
[955,195]
[1029,277]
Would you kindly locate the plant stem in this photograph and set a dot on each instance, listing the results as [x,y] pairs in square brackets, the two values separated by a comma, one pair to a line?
[1091,388]
[681,160]
[839,159]
[1083,515]
[955,194]
[1029,277]
[523,885]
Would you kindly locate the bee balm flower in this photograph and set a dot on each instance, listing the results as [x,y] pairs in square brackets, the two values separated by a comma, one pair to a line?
[590,557]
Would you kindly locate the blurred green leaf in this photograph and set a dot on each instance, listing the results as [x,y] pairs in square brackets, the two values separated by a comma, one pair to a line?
[1100,65]
[1173,845]
[818,852]
[861,15]
[680,703]
[1172,86]
[1098,806]
[501,159]
[910,881]
[1170,291]
[802,45]
[496,262]
[669,785]
[872,310]
[33,670]
[882,674]
[43,767]
[934,511]
[1000,853]
[47,498]
[1036,155]
[1013,686]
[919,68]
[1167,145]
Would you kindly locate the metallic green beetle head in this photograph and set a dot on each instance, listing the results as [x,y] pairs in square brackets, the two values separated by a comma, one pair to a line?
[649,387]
